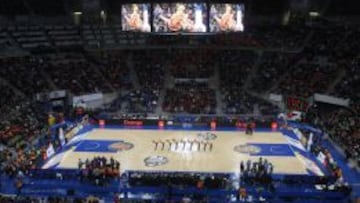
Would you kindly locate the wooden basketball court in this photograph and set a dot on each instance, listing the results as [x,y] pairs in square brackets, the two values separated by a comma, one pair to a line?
[135,150]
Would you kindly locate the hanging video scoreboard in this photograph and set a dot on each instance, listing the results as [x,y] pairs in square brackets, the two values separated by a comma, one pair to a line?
[297,104]
[180,17]
[196,17]
[136,17]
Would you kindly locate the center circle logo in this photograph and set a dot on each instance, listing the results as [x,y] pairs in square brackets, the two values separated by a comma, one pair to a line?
[247,149]
[152,161]
[207,136]
[121,146]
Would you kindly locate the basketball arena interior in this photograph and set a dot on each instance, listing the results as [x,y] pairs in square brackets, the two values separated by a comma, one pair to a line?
[165,101]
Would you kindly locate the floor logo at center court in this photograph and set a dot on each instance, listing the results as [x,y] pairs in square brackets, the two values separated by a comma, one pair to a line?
[153,161]
[207,136]
[247,149]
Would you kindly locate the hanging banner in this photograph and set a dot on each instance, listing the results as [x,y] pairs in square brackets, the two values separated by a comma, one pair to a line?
[331,100]
[61,137]
[50,150]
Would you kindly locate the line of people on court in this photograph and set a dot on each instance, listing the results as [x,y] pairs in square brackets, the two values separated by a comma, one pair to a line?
[256,172]
[99,170]
[183,145]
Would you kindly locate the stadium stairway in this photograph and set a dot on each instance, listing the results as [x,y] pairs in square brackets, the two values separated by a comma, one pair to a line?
[48,80]
[94,61]
[169,83]
[13,42]
[13,88]
[291,66]
[214,83]
[133,76]
[341,74]
[253,70]
[283,76]
[307,39]
[262,97]
[158,109]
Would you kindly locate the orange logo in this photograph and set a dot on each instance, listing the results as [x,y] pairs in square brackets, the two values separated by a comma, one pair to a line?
[121,146]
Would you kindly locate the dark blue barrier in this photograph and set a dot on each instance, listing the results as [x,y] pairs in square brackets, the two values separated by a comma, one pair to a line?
[51,173]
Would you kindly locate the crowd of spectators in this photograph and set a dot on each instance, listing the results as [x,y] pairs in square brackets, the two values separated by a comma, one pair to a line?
[245,39]
[150,68]
[256,172]
[324,59]
[19,163]
[317,148]
[307,79]
[234,67]
[70,71]
[238,101]
[20,127]
[193,97]
[350,84]
[20,122]
[142,100]
[290,37]
[8,97]
[192,63]
[24,139]
[21,199]
[340,45]
[75,74]
[329,51]
[115,69]
[326,40]
[274,37]
[314,69]
[179,180]
[24,73]
[99,170]
[272,66]
[341,125]
[335,177]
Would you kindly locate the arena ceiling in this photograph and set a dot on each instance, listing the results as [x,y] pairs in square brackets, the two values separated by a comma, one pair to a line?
[253,7]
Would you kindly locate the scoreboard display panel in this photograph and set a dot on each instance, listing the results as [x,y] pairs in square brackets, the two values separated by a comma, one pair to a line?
[226,17]
[136,17]
[180,17]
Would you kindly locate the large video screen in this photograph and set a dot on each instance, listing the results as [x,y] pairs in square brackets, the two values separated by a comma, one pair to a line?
[136,17]
[180,17]
[226,17]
